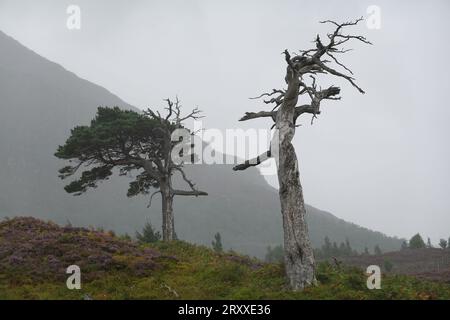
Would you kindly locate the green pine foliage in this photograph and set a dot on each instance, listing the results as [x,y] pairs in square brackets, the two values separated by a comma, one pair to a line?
[388,265]
[217,243]
[148,235]
[417,242]
[329,250]
[109,133]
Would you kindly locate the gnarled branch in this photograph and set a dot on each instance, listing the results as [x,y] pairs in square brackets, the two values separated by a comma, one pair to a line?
[151,198]
[260,114]
[253,162]
[188,193]
[195,191]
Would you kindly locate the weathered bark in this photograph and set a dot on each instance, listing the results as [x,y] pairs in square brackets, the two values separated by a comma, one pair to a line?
[168,222]
[298,254]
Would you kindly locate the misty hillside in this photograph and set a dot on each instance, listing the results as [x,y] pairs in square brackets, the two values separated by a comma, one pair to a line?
[40,102]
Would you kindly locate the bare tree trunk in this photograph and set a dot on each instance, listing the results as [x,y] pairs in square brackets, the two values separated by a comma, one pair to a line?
[167,213]
[298,254]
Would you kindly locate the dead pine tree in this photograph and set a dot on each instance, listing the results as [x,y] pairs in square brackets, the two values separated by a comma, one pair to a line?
[300,78]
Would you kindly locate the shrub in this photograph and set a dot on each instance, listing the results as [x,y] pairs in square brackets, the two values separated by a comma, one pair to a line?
[148,235]
[417,242]
[388,265]
[443,243]
[217,243]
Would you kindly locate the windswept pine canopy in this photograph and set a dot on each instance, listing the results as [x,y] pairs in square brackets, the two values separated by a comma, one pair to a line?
[115,137]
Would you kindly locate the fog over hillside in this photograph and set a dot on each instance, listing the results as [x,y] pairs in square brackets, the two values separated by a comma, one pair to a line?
[380,160]
[41,101]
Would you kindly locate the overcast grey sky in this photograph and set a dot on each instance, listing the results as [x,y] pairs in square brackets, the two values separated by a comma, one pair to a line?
[381,160]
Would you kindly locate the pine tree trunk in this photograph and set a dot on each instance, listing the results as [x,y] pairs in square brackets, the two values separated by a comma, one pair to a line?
[298,253]
[167,213]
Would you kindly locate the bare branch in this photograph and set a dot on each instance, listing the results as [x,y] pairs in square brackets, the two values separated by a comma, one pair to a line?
[253,162]
[183,174]
[306,108]
[173,108]
[339,63]
[317,97]
[151,197]
[274,91]
[189,193]
[260,114]
[287,57]
[194,114]
[348,37]
[194,191]
[307,52]
[169,108]
[340,25]
[337,73]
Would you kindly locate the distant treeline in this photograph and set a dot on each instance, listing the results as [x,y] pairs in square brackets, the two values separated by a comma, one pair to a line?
[417,242]
[327,250]
[331,249]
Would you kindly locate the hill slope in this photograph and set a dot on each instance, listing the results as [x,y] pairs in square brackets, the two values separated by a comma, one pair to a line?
[40,102]
[34,256]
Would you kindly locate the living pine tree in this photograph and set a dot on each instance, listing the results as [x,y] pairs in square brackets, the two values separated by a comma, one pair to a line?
[377,250]
[417,242]
[329,250]
[130,144]
[388,265]
[217,243]
[443,243]
[366,251]
[148,235]
[429,245]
